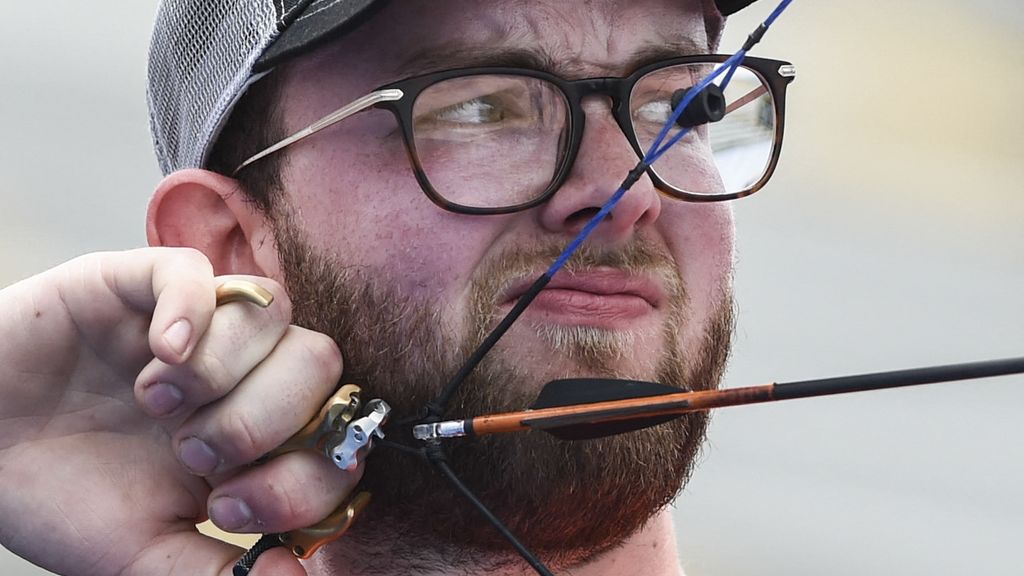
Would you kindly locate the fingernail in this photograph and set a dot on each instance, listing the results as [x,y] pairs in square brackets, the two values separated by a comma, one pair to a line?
[177,336]
[230,513]
[197,456]
[162,398]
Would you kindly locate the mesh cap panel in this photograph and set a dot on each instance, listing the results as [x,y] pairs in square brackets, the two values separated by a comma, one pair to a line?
[200,61]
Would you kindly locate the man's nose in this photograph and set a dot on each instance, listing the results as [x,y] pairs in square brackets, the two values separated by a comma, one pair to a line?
[603,161]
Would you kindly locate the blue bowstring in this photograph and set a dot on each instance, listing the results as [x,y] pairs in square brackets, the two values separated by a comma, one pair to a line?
[776,13]
[657,149]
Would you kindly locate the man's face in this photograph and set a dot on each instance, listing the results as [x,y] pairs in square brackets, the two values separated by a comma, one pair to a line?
[355,197]
[408,288]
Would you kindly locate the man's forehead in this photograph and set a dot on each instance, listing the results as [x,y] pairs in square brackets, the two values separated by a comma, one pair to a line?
[594,37]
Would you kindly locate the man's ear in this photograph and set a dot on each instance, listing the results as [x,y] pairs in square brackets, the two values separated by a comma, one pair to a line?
[209,212]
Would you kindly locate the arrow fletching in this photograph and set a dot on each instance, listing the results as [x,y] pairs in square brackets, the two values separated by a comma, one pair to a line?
[576,391]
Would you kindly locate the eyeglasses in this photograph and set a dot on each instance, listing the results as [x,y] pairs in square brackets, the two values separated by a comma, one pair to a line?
[498,140]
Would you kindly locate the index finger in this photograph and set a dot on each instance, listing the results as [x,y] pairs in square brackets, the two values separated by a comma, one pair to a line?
[175,286]
[185,291]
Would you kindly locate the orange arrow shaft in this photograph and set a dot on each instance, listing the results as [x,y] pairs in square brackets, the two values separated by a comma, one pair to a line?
[598,412]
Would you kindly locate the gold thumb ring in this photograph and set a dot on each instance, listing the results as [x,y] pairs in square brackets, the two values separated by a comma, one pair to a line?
[243,291]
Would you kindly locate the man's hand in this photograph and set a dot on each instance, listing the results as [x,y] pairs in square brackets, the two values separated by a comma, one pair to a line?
[131,407]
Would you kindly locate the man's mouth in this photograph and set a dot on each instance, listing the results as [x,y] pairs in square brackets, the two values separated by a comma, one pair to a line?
[600,297]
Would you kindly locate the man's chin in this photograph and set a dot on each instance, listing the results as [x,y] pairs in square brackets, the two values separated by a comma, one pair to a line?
[551,351]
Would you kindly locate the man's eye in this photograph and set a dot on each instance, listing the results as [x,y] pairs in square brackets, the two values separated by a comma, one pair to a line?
[475,111]
[654,111]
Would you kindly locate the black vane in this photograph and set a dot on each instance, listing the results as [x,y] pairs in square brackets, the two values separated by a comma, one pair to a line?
[575,391]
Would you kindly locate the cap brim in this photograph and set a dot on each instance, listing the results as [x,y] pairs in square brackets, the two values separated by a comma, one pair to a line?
[324,19]
[321,20]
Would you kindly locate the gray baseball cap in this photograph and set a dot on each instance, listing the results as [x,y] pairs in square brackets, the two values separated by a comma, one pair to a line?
[205,53]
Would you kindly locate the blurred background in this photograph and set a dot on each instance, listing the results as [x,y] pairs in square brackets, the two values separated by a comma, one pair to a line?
[892,236]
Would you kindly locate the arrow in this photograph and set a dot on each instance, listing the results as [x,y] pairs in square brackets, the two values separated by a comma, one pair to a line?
[584,408]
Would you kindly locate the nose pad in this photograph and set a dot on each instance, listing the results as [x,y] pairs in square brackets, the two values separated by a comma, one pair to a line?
[604,159]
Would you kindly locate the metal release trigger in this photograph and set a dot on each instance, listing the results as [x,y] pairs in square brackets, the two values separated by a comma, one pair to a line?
[359,434]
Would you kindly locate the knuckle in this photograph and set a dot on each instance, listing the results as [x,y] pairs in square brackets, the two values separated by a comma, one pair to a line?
[295,508]
[212,375]
[294,505]
[325,354]
[243,436]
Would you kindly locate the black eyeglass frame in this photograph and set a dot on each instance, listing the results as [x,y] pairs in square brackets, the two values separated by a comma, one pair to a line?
[400,97]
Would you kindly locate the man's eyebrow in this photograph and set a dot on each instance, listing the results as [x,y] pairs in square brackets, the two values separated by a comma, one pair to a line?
[655,51]
[451,57]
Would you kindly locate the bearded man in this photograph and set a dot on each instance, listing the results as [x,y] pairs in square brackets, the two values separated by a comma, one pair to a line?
[454,149]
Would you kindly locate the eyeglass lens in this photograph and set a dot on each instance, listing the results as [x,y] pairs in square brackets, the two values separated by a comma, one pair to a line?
[720,158]
[491,141]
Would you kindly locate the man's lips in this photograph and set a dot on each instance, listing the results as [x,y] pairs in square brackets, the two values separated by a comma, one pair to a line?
[603,296]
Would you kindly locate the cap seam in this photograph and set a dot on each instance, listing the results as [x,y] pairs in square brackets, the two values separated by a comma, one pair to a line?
[292,15]
[318,10]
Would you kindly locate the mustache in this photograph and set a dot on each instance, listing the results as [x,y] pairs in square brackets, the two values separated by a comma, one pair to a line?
[637,257]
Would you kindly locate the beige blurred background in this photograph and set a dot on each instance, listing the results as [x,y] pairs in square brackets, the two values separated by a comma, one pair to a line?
[891,237]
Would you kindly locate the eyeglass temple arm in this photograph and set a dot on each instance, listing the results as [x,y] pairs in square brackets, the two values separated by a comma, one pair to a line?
[329,120]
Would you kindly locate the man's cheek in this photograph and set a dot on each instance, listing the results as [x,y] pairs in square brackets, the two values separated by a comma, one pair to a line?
[702,245]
